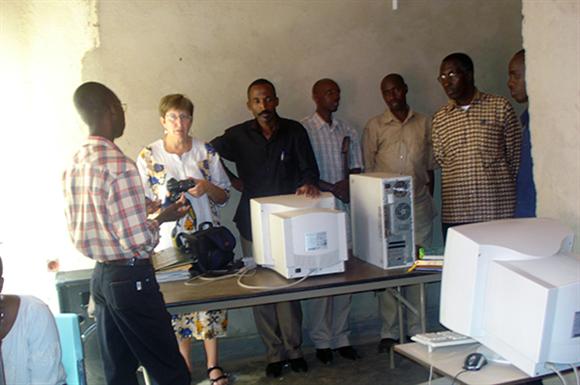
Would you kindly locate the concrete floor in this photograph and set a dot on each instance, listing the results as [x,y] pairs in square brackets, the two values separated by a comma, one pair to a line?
[371,369]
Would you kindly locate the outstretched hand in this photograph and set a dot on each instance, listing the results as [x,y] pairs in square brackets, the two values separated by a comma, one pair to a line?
[310,190]
[174,211]
[341,190]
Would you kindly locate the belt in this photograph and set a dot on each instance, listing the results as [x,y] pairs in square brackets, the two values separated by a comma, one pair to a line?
[128,262]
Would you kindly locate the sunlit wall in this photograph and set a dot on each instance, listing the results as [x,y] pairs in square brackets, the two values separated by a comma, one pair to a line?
[42,45]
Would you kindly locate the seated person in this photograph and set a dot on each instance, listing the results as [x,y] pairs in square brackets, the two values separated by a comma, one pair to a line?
[29,341]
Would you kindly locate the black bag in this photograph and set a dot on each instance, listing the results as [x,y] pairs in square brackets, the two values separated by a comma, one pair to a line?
[212,247]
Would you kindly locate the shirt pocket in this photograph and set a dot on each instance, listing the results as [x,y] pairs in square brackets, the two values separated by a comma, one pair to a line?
[491,142]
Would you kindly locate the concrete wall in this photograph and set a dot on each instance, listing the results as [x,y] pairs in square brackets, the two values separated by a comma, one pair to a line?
[551,31]
[211,51]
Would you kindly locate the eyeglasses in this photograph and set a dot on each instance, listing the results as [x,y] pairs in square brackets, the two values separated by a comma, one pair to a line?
[449,76]
[124,106]
[182,117]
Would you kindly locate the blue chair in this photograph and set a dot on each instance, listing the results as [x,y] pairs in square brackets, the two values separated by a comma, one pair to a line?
[73,358]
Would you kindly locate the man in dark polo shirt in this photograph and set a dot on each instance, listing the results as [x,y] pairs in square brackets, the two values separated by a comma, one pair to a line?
[273,156]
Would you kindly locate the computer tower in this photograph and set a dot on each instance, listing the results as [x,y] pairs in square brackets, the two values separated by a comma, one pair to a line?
[382,218]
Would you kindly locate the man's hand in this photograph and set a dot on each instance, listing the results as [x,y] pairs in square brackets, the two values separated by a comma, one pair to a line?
[310,190]
[341,190]
[237,183]
[152,206]
[174,211]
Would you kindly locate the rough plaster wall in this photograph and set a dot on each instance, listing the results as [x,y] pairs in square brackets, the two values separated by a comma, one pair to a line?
[551,32]
[211,51]
[42,45]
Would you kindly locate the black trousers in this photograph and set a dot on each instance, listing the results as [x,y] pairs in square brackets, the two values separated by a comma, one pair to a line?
[133,327]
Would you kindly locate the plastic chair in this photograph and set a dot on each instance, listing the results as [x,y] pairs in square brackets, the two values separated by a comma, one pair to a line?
[73,358]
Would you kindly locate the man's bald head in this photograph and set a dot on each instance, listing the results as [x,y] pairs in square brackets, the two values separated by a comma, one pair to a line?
[321,84]
[326,95]
[394,92]
[394,79]
[95,102]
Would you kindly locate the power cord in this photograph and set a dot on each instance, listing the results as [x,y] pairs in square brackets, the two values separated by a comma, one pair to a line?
[575,374]
[240,274]
[252,287]
[550,365]
[208,278]
[457,375]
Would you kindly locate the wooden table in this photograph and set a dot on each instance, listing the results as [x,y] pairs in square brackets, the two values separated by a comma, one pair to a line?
[358,277]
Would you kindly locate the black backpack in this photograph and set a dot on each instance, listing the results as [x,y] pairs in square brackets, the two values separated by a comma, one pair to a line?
[211,247]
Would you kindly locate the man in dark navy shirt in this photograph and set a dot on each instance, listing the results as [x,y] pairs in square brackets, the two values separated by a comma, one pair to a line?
[273,156]
[525,187]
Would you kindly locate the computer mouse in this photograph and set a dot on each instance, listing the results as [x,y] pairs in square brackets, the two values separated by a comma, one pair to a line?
[474,361]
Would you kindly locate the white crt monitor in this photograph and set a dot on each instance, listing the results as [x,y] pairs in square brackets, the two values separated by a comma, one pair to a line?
[514,286]
[308,242]
[260,210]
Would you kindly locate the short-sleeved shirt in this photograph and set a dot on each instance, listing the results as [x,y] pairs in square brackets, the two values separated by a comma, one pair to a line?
[274,166]
[105,204]
[478,148]
[404,148]
[326,140]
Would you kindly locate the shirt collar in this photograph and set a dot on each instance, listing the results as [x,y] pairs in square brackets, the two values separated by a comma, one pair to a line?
[100,140]
[389,117]
[452,104]
[321,122]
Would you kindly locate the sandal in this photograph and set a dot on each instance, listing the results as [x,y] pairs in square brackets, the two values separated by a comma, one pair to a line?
[224,375]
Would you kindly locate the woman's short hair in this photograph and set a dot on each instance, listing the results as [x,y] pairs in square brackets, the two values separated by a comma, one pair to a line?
[176,102]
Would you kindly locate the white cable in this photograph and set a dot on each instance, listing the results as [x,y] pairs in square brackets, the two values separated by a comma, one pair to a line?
[430,373]
[251,287]
[191,281]
[555,370]
[575,374]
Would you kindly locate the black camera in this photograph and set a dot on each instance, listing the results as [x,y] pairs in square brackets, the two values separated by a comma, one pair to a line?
[176,187]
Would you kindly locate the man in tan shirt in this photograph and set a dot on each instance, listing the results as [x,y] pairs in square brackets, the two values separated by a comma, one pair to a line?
[399,141]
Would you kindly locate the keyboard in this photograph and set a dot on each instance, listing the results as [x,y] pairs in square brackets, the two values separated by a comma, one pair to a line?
[441,339]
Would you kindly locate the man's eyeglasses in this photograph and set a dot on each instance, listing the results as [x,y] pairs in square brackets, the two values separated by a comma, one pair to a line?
[182,117]
[448,76]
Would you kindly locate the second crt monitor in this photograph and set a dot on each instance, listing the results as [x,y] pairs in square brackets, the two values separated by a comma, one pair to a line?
[298,236]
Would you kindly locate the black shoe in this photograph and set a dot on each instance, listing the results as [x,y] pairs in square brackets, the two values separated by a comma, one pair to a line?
[324,355]
[274,369]
[387,344]
[299,365]
[348,352]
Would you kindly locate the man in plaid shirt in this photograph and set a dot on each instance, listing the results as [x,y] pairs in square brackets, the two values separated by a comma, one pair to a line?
[107,221]
[476,141]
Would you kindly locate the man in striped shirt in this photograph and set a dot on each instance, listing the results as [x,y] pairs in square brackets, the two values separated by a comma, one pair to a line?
[107,221]
[476,141]
[329,315]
